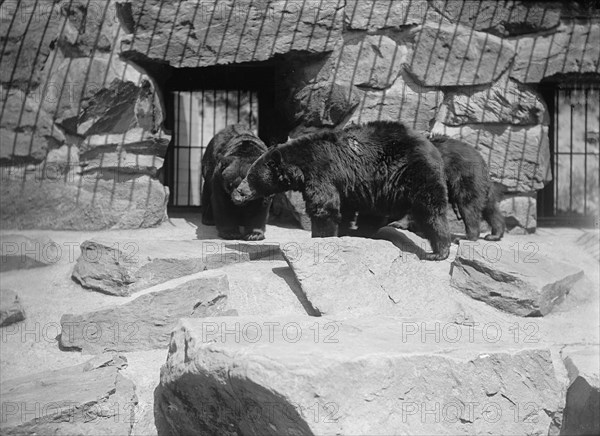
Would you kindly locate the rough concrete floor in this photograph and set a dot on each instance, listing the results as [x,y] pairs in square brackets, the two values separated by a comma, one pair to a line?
[257,288]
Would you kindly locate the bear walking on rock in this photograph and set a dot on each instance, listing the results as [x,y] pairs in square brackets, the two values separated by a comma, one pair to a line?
[227,158]
[470,190]
[379,168]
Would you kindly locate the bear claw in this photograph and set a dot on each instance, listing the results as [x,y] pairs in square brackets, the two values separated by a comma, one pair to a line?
[254,236]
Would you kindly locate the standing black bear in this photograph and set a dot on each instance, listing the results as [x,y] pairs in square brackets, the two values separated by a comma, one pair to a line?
[225,163]
[380,168]
[470,189]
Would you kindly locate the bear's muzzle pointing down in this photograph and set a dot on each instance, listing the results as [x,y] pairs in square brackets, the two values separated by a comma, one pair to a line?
[242,194]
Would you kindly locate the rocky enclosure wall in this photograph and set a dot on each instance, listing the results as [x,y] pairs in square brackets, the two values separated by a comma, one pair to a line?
[83,84]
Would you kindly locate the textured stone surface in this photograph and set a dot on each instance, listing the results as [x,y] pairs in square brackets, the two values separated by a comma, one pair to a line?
[123,267]
[454,55]
[573,48]
[404,101]
[27,31]
[520,212]
[373,62]
[27,131]
[84,203]
[11,310]
[506,18]
[582,408]
[202,34]
[518,156]
[86,399]
[72,82]
[365,276]
[505,102]
[382,14]
[281,380]
[21,252]
[522,282]
[146,322]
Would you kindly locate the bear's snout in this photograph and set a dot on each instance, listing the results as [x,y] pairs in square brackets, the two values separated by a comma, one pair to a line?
[242,193]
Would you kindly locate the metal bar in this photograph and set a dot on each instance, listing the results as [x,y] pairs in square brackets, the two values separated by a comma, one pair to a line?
[585,154]
[571,156]
[201,143]
[556,148]
[190,133]
[176,149]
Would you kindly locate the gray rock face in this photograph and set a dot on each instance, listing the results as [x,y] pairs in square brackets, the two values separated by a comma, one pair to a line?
[352,276]
[124,267]
[325,103]
[505,102]
[88,399]
[405,100]
[520,213]
[27,131]
[376,14]
[87,203]
[146,322]
[11,310]
[516,280]
[205,34]
[453,55]
[278,378]
[571,49]
[21,252]
[518,157]
[582,407]
[507,18]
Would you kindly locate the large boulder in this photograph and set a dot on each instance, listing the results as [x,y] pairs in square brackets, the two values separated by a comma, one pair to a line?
[82,203]
[257,376]
[518,157]
[124,267]
[405,101]
[582,408]
[572,48]
[518,280]
[200,34]
[88,399]
[146,322]
[455,55]
[27,131]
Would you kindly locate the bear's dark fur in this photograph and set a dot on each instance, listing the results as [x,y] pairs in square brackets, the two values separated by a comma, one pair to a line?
[380,168]
[226,161]
[470,189]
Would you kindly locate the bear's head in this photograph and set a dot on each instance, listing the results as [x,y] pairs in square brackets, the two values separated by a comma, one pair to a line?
[232,171]
[269,175]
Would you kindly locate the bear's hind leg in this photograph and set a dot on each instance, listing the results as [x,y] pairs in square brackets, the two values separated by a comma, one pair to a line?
[493,216]
[471,217]
[435,227]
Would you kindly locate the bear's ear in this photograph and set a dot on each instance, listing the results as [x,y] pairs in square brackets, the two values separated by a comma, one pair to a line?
[276,157]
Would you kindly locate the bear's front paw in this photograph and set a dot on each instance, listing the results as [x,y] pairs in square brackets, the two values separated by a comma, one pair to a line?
[255,235]
[230,234]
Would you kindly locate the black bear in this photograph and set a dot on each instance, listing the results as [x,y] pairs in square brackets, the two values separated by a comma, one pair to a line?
[470,190]
[227,158]
[379,168]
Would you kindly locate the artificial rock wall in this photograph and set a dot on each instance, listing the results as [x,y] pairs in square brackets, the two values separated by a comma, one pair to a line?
[82,122]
